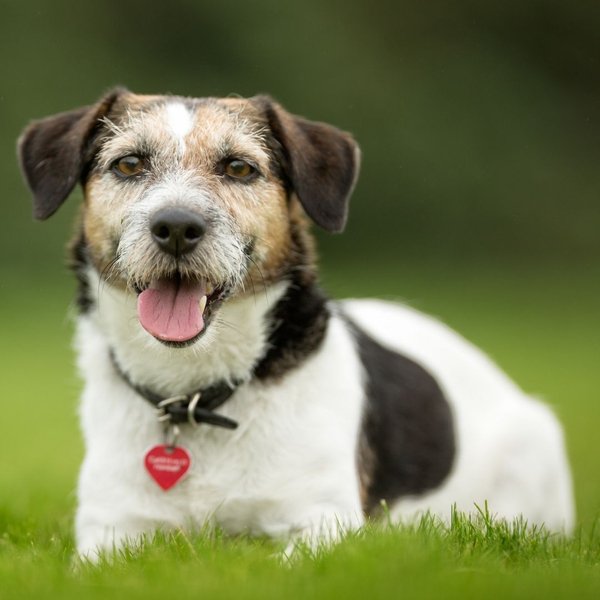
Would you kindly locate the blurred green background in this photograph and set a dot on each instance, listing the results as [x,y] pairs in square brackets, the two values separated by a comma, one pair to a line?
[479,124]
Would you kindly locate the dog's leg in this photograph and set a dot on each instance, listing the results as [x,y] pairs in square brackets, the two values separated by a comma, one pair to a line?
[114,513]
[97,537]
[322,527]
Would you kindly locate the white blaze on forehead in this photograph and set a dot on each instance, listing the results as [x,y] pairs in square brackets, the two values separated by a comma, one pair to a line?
[179,120]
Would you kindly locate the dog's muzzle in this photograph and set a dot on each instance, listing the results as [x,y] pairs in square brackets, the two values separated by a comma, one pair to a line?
[175,306]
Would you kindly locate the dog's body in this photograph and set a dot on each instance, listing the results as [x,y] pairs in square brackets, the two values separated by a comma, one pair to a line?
[339,405]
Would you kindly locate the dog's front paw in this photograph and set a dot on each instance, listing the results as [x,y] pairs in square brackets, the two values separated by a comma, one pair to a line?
[320,533]
[98,540]
[106,543]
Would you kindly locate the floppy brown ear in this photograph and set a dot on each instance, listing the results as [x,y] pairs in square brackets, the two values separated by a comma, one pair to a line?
[53,153]
[322,164]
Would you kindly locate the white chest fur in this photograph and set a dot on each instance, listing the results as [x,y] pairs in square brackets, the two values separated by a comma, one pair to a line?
[291,462]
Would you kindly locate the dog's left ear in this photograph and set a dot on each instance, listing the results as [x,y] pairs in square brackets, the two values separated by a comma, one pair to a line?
[322,163]
[53,153]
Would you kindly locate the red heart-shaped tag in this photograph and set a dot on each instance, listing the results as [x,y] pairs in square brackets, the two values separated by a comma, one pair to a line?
[167,465]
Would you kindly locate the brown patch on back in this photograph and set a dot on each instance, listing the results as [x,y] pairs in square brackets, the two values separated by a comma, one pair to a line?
[365,465]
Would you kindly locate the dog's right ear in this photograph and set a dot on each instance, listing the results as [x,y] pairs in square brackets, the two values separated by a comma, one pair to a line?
[53,153]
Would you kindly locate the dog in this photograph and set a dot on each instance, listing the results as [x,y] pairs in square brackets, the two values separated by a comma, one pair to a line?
[221,385]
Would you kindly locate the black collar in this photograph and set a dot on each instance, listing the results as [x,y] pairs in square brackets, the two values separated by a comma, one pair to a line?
[299,323]
[194,408]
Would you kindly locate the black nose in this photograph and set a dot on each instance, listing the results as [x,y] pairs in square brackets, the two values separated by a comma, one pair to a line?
[177,230]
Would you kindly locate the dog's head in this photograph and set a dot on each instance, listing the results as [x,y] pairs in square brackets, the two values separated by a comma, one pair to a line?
[190,201]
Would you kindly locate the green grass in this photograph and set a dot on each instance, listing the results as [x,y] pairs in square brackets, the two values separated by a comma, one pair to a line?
[473,557]
[542,325]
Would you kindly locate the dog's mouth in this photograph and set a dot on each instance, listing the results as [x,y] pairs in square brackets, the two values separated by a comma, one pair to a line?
[175,310]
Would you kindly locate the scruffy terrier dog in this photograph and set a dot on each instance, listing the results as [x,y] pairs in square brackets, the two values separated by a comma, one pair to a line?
[221,384]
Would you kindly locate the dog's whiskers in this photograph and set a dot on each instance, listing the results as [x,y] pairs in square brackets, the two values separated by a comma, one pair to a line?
[265,288]
[256,237]
[226,323]
[106,276]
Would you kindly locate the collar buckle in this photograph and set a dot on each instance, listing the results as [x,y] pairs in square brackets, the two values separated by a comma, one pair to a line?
[163,415]
[191,409]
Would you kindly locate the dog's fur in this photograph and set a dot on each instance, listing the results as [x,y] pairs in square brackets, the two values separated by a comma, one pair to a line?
[341,405]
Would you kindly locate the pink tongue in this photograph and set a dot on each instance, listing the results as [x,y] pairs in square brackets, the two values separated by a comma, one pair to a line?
[171,311]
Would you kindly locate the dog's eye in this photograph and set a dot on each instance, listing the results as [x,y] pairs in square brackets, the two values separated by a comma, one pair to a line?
[129,165]
[238,169]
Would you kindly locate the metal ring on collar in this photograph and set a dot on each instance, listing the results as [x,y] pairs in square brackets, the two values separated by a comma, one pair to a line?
[172,435]
[192,407]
